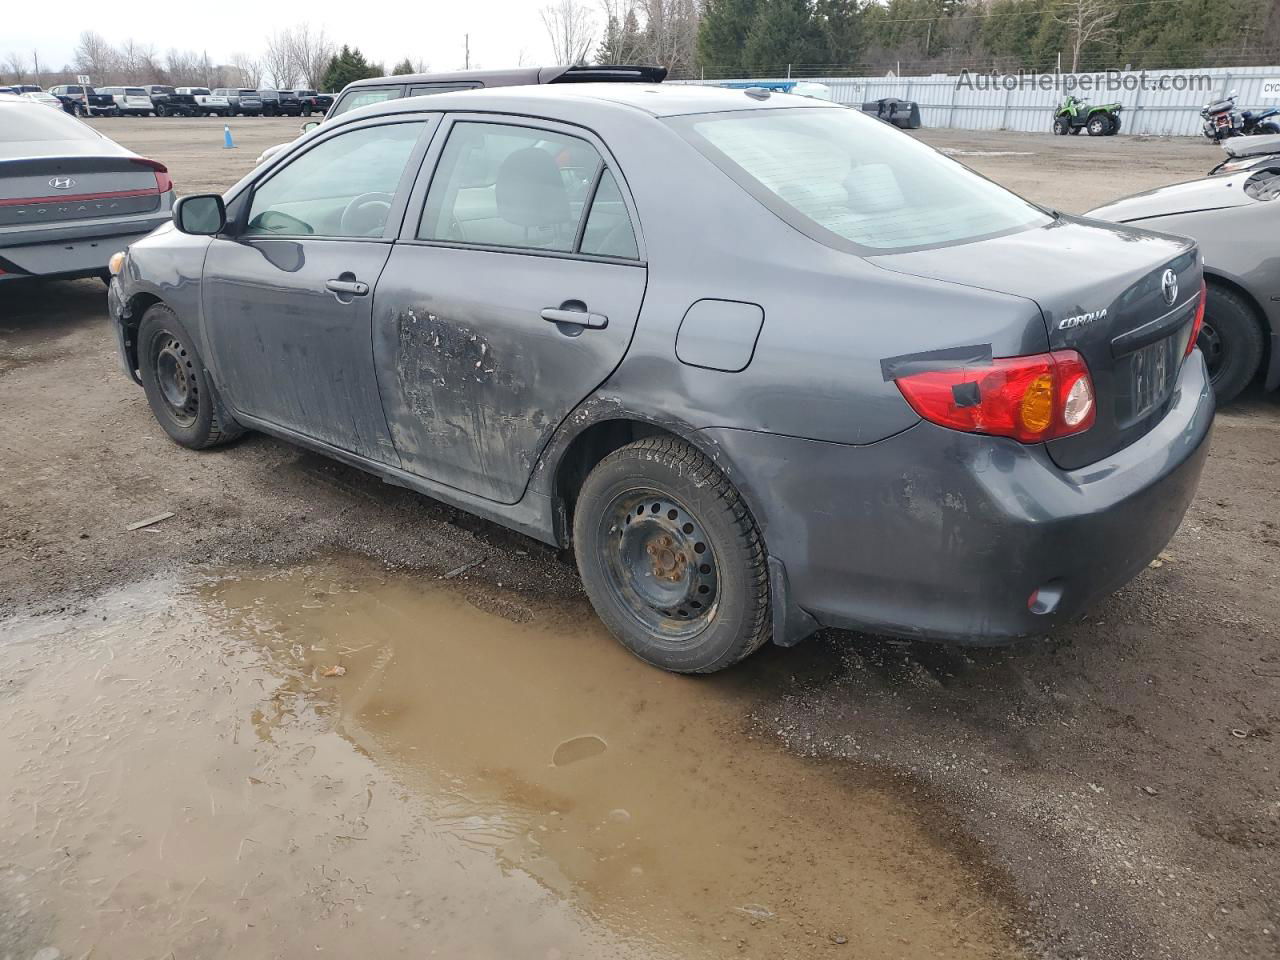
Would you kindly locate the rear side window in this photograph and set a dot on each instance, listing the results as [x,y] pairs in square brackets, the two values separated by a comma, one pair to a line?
[851,181]
[608,232]
[343,187]
[365,96]
[510,186]
[34,122]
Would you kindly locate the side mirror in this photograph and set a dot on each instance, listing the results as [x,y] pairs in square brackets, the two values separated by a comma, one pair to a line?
[203,215]
[310,125]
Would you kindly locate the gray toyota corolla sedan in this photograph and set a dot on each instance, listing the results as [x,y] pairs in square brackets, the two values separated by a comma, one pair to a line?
[766,363]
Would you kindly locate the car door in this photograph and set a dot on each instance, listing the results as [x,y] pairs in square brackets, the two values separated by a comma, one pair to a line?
[288,295]
[511,295]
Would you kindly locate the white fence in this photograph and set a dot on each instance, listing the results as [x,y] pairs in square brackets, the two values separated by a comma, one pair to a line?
[1156,103]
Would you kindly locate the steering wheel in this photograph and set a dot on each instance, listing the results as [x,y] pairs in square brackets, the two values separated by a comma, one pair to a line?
[366,215]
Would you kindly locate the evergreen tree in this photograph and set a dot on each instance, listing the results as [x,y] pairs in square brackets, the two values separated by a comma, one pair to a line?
[403,68]
[722,36]
[347,66]
[782,34]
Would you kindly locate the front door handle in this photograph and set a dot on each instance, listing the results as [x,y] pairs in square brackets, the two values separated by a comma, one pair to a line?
[575,318]
[347,288]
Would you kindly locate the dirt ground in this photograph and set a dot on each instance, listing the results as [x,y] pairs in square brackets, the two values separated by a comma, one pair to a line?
[491,776]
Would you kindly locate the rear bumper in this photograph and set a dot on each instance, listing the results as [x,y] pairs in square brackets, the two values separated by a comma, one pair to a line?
[76,250]
[937,534]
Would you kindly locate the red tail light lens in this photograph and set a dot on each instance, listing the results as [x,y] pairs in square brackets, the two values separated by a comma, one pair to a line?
[164,183]
[1031,399]
[1199,320]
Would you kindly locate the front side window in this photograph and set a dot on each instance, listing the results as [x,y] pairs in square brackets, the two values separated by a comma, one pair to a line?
[365,96]
[849,180]
[343,187]
[509,186]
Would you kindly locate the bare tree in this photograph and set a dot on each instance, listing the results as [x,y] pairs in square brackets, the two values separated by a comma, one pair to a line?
[571,28]
[183,67]
[671,34]
[16,64]
[277,60]
[1090,21]
[249,69]
[94,56]
[312,51]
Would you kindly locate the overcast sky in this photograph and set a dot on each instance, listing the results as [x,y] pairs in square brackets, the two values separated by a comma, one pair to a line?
[501,30]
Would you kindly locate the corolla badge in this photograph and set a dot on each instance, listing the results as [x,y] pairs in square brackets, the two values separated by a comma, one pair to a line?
[62,183]
[1169,286]
[1080,319]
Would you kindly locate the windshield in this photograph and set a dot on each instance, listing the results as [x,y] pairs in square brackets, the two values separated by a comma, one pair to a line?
[853,182]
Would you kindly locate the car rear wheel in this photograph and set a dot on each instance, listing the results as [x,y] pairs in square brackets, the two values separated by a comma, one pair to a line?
[1231,341]
[671,557]
[178,389]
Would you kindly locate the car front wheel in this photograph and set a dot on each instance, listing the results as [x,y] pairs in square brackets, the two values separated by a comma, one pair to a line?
[671,558]
[178,389]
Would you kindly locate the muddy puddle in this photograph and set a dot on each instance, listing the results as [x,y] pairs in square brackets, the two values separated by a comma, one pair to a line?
[338,761]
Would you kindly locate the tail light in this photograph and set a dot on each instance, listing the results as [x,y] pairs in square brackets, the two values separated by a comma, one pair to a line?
[164,183]
[1031,399]
[1198,322]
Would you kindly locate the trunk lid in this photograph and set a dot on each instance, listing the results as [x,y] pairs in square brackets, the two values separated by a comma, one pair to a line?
[1102,291]
[56,188]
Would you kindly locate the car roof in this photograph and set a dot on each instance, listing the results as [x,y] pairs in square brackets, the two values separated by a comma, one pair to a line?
[657,100]
[520,76]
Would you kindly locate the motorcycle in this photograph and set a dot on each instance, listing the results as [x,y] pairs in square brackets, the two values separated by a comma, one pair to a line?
[1222,120]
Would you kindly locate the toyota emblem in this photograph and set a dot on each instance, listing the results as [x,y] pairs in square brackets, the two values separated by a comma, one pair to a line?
[62,183]
[1169,286]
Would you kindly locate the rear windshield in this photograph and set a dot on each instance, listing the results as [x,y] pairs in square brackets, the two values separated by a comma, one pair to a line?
[853,182]
[247,93]
[30,121]
[199,92]
[134,92]
[162,89]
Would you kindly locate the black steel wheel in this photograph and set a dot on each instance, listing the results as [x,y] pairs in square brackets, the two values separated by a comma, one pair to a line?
[178,388]
[1231,341]
[671,557]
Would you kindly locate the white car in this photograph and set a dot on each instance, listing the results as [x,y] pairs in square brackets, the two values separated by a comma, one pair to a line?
[130,101]
[210,104]
[48,99]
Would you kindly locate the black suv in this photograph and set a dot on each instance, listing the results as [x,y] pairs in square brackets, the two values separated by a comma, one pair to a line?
[169,103]
[280,103]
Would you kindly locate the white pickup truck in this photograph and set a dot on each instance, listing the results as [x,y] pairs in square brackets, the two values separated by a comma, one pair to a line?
[207,103]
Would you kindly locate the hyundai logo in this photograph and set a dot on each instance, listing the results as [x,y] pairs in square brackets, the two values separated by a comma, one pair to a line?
[1169,286]
[62,183]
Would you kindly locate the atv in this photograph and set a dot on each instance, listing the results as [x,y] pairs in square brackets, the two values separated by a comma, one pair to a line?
[1076,114]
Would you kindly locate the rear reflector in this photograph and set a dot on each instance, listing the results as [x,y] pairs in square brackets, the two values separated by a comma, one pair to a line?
[1199,320]
[1031,399]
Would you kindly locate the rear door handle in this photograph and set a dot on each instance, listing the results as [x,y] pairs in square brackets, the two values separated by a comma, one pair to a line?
[348,288]
[576,318]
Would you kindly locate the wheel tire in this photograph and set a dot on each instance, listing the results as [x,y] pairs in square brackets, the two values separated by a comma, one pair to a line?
[1075,131]
[1060,126]
[1115,125]
[710,614]
[178,389]
[1098,126]
[1231,341]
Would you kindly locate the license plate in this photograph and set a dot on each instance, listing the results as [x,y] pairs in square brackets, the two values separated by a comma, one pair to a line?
[1153,370]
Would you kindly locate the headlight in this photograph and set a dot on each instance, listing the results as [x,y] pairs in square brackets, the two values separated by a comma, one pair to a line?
[116,263]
